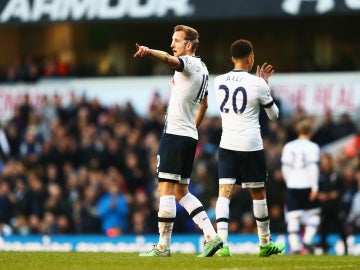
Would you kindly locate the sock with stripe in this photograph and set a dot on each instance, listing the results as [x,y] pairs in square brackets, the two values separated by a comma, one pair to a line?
[197,212]
[262,221]
[222,218]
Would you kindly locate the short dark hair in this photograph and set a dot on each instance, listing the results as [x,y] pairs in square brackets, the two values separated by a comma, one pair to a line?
[191,35]
[241,48]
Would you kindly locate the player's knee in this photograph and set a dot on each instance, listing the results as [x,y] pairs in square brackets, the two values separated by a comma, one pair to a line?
[225,190]
[179,194]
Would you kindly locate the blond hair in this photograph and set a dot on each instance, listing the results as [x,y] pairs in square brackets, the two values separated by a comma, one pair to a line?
[304,127]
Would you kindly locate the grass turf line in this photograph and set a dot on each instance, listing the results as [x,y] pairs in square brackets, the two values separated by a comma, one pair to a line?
[131,261]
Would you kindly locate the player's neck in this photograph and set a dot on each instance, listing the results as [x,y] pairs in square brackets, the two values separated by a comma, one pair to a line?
[304,137]
[240,66]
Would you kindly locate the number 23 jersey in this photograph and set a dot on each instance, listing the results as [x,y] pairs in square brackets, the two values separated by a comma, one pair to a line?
[239,96]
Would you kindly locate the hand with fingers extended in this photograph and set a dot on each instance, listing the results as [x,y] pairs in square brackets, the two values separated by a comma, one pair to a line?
[265,71]
[141,51]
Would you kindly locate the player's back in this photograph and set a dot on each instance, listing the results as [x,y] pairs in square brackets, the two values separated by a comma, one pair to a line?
[298,156]
[238,95]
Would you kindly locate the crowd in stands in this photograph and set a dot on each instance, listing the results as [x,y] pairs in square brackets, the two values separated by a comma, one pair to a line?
[28,68]
[86,168]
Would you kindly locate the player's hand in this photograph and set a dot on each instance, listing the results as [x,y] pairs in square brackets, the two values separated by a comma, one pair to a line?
[265,71]
[313,196]
[141,50]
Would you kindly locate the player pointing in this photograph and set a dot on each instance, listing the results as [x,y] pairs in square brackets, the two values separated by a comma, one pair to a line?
[186,109]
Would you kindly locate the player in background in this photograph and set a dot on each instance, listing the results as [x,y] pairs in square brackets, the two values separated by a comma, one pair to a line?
[331,188]
[185,112]
[300,168]
[239,96]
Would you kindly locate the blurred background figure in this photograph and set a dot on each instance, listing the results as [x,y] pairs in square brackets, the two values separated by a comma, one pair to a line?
[329,195]
[354,214]
[113,210]
[300,167]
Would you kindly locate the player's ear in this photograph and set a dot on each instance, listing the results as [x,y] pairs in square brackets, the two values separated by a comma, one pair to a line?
[189,45]
[248,58]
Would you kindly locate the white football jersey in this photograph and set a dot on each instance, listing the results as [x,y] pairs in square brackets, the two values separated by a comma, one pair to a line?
[189,86]
[239,95]
[300,164]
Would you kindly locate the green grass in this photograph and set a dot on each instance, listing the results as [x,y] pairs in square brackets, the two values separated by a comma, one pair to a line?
[131,261]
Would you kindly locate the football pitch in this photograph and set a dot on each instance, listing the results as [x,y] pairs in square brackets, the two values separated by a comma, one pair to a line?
[131,261]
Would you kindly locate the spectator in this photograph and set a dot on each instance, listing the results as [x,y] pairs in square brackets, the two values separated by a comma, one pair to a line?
[13,136]
[345,126]
[113,210]
[325,133]
[35,198]
[350,188]
[6,202]
[354,213]
[86,220]
[329,196]
[30,149]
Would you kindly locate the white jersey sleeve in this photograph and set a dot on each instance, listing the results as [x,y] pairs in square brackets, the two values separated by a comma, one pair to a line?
[189,86]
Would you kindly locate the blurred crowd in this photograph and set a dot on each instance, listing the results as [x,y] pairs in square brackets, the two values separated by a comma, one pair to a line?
[86,168]
[28,68]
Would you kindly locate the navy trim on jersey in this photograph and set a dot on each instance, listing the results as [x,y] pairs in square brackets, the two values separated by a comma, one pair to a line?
[201,88]
[182,65]
[269,104]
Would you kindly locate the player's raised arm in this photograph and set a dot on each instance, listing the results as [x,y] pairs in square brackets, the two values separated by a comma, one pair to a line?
[157,55]
[265,71]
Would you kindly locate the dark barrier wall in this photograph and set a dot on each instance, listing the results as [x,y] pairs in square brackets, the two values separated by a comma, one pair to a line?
[35,11]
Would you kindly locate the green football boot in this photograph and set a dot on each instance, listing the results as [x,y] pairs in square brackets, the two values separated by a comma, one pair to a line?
[211,247]
[224,252]
[270,249]
[155,252]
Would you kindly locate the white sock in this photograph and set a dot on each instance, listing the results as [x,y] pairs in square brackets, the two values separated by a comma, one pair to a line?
[222,218]
[309,234]
[262,221]
[293,229]
[166,218]
[294,242]
[196,210]
[312,223]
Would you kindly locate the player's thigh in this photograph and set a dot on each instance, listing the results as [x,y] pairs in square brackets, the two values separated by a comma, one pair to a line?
[228,167]
[253,173]
[188,155]
[175,157]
